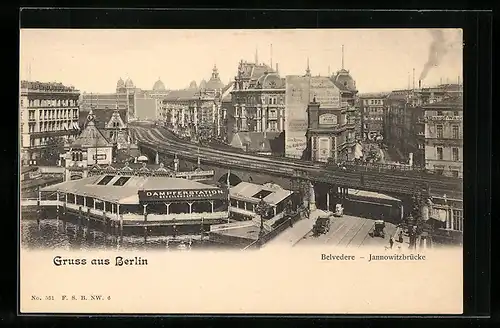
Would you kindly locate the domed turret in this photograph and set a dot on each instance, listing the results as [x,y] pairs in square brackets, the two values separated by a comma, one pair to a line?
[159,86]
[129,83]
[203,84]
[215,82]
[345,80]
[120,84]
[270,81]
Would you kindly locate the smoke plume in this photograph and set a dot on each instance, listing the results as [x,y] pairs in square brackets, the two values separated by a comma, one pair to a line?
[437,51]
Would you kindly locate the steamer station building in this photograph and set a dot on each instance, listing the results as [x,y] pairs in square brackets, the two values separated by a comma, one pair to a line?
[124,200]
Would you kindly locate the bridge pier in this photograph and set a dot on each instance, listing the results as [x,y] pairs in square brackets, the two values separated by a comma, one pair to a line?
[312,198]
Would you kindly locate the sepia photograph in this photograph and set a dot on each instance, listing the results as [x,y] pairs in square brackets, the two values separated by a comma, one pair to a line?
[204,154]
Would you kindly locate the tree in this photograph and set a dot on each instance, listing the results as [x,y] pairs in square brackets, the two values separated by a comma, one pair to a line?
[53,148]
[262,209]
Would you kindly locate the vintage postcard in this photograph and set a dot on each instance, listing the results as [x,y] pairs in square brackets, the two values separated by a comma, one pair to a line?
[297,171]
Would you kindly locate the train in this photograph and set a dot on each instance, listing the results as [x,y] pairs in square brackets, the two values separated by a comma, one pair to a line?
[374,206]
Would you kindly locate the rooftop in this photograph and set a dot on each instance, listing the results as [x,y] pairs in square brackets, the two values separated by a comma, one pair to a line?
[251,192]
[47,86]
[374,95]
[123,189]
[102,116]
[91,136]
[455,102]
[180,95]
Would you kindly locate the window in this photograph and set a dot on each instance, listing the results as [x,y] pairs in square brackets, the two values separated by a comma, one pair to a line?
[439,130]
[440,113]
[458,219]
[262,194]
[455,154]
[455,113]
[121,181]
[454,173]
[455,131]
[105,180]
[439,151]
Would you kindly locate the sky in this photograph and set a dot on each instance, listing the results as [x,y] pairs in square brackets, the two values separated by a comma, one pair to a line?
[93,60]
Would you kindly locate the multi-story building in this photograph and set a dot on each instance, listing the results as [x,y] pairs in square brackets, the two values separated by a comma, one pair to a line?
[193,109]
[258,99]
[371,108]
[398,125]
[330,133]
[123,99]
[91,147]
[405,125]
[444,136]
[321,116]
[47,110]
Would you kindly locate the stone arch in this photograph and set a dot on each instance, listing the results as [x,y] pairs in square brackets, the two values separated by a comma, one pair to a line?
[233,179]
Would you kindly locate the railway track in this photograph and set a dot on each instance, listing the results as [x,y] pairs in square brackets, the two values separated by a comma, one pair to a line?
[368,180]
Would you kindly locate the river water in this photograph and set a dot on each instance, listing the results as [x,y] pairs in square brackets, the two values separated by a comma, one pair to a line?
[65,233]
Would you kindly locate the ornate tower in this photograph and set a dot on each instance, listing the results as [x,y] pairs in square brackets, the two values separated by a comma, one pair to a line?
[308,70]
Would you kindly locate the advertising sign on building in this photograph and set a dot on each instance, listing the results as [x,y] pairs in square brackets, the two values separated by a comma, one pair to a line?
[180,195]
[296,102]
[324,149]
[325,92]
[328,119]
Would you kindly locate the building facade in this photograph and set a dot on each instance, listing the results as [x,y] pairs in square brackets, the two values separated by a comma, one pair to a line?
[133,103]
[194,109]
[47,110]
[321,116]
[116,131]
[444,136]
[407,130]
[91,147]
[371,108]
[329,135]
[258,100]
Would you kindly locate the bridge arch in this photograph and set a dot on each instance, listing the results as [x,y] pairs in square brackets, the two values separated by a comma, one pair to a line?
[233,179]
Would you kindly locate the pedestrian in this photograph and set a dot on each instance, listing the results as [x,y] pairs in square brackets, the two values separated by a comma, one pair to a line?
[400,238]
[391,241]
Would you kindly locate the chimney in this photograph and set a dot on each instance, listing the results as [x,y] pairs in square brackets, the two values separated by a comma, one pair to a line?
[420,84]
[277,68]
